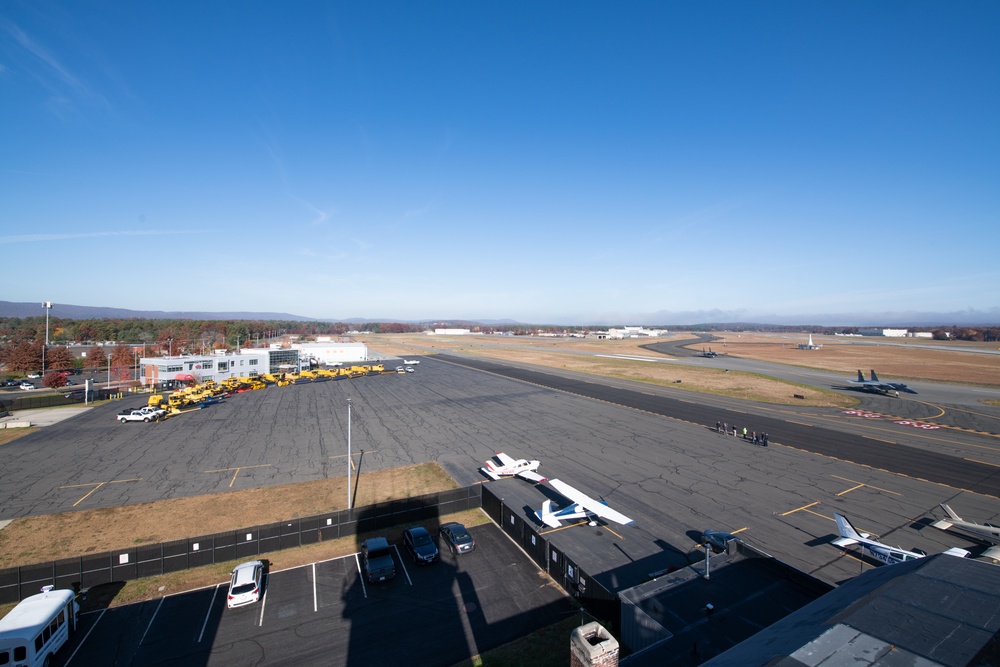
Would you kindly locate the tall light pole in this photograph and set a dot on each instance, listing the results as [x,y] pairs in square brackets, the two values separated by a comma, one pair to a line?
[47,305]
[348,453]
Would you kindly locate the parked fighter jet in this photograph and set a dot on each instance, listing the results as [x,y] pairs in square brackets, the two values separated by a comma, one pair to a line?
[709,353]
[877,550]
[503,465]
[879,387]
[580,506]
[983,532]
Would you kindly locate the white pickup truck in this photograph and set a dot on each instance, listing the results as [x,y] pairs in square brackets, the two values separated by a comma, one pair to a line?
[134,416]
[155,413]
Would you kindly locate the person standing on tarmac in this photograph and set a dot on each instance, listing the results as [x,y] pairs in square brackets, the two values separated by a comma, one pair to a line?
[744,432]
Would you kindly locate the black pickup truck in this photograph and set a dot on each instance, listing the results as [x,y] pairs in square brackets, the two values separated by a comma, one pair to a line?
[377,558]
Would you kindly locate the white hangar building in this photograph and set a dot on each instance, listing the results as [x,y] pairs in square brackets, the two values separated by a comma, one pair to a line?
[331,353]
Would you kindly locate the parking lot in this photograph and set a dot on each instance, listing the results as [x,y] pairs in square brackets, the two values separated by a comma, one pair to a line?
[327,614]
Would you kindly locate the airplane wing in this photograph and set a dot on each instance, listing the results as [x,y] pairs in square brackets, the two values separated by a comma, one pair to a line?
[505,459]
[588,503]
[941,524]
[532,476]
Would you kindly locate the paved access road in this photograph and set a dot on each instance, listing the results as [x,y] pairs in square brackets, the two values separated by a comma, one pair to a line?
[935,466]
[327,614]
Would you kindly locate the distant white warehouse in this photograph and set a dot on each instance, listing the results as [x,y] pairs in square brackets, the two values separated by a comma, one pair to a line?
[331,353]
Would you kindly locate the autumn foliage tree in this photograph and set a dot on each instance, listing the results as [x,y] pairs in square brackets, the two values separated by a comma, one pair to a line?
[54,380]
[58,358]
[24,357]
[122,358]
[95,357]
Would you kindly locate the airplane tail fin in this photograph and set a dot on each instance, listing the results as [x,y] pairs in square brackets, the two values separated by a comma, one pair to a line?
[861,376]
[874,377]
[950,512]
[547,515]
[847,531]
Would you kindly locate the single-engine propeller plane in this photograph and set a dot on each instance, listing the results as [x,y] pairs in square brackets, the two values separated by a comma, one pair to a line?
[882,552]
[580,506]
[503,465]
[983,532]
[877,386]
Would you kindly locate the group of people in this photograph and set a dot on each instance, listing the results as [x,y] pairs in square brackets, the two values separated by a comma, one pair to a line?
[753,436]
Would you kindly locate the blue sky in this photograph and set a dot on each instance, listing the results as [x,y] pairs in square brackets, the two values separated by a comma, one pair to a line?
[558,162]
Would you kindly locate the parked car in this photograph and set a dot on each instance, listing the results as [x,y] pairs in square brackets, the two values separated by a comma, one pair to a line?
[133,416]
[420,544]
[26,386]
[34,376]
[9,383]
[409,369]
[154,412]
[377,559]
[244,588]
[458,538]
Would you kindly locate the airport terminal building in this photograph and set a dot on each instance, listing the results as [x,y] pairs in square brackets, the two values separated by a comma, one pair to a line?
[155,371]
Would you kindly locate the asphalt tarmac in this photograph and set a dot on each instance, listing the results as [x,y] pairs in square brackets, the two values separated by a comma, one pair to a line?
[657,462]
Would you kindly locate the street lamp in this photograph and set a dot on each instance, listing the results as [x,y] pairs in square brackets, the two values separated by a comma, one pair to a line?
[348,453]
[47,305]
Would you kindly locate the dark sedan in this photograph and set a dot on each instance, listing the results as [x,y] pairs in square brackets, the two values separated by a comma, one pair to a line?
[457,537]
[420,544]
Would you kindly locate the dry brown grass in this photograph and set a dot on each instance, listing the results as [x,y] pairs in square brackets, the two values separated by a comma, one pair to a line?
[53,536]
[564,354]
[896,359]
[904,358]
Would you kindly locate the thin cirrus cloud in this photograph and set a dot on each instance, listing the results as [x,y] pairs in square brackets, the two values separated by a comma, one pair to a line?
[37,238]
[54,75]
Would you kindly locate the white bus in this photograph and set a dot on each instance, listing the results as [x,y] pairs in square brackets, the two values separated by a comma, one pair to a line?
[37,627]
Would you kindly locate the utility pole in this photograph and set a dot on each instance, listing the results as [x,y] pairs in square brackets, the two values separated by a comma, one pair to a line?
[348,453]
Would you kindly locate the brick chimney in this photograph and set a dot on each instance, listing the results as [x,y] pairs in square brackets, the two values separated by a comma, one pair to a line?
[591,645]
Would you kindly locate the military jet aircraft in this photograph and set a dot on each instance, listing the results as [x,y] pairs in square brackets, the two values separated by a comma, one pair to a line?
[877,386]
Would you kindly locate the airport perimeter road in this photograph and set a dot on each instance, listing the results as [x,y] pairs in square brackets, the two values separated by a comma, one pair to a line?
[959,472]
[327,614]
[663,468]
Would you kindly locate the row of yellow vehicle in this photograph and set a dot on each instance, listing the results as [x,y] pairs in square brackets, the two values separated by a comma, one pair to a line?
[197,396]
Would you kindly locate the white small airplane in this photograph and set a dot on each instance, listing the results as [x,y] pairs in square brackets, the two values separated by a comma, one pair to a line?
[408,362]
[877,550]
[503,465]
[981,531]
[581,506]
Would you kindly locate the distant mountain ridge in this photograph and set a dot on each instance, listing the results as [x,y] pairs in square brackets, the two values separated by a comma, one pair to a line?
[22,309]
[15,309]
